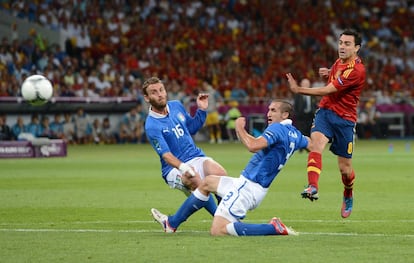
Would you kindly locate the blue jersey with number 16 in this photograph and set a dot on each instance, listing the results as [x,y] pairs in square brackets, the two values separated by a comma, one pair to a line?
[173,133]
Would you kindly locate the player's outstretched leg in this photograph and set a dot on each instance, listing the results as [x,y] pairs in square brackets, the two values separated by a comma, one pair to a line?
[348,199]
[192,204]
[274,227]
[314,170]
[163,220]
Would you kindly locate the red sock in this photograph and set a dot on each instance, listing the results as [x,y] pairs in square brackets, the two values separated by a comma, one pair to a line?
[314,168]
[348,184]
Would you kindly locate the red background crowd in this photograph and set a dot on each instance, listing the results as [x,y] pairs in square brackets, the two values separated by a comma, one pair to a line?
[110,47]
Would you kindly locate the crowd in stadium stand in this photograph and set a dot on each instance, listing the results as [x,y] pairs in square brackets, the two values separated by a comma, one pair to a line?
[242,48]
[112,45]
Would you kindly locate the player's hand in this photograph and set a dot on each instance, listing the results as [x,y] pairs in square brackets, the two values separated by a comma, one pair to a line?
[240,123]
[293,85]
[202,101]
[185,168]
[324,72]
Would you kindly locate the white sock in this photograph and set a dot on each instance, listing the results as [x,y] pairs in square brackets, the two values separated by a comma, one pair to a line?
[200,196]
[231,230]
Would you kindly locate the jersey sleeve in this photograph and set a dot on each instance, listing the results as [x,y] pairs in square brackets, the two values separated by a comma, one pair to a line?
[271,133]
[157,141]
[303,142]
[194,124]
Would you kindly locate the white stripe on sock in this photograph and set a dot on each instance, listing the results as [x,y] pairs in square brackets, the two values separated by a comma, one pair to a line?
[231,230]
[200,196]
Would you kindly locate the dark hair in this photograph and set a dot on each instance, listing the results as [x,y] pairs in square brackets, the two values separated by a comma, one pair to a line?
[150,81]
[351,32]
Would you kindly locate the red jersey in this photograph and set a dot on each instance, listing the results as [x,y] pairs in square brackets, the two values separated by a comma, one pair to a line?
[349,80]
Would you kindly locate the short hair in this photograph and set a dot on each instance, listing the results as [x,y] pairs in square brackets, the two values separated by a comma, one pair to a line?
[150,81]
[351,32]
[285,106]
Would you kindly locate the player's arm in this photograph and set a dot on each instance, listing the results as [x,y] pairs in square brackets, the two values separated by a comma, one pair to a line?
[316,91]
[194,124]
[309,146]
[324,72]
[175,162]
[202,101]
[252,144]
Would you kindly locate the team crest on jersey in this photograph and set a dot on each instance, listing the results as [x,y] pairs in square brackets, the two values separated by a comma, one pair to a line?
[156,145]
[181,117]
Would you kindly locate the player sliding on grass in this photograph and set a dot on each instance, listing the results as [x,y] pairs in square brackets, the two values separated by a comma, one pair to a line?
[169,129]
[336,117]
[272,150]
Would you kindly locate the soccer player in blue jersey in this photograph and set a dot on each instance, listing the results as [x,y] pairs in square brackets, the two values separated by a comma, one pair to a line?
[169,128]
[272,150]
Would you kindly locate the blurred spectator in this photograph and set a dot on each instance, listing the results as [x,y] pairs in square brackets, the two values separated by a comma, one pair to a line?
[5,131]
[34,126]
[56,127]
[86,92]
[44,129]
[213,118]
[108,135]
[234,46]
[383,97]
[18,128]
[4,92]
[102,85]
[230,118]
[175,92]
[68,129]
[96,131]
[83,127]
[131,128]
[239,94]
[367,122]
[66,91]
[304,109]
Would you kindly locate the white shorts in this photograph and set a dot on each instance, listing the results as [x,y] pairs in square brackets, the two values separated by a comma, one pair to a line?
[239,196]
[174,176]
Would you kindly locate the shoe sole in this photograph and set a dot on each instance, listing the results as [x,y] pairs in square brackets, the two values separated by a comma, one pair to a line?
[310,196]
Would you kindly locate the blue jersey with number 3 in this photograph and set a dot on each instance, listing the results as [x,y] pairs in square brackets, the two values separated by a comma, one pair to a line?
[283,140]
[173,133]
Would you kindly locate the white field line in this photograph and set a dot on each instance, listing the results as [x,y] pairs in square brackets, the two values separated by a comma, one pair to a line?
[98,222]
[26,230]
[17,227]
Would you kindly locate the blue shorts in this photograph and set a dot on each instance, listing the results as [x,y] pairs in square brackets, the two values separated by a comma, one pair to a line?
[340,132]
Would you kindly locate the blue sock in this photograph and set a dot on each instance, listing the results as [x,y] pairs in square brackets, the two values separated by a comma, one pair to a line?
[244,229]
[189,207]
[210,205]
[218,198]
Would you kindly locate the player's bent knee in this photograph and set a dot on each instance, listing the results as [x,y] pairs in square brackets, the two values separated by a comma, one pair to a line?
[218,231]
[210,183]
[219,226]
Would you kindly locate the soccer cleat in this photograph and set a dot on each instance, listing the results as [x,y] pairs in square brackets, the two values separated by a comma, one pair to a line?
[281,229]
[163,220]
[346,209]
[310,192]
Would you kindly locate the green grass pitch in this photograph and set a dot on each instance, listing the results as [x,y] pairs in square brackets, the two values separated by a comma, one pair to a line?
[94,206]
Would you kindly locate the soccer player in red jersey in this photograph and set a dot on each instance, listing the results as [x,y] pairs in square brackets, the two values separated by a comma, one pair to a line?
[336,117]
